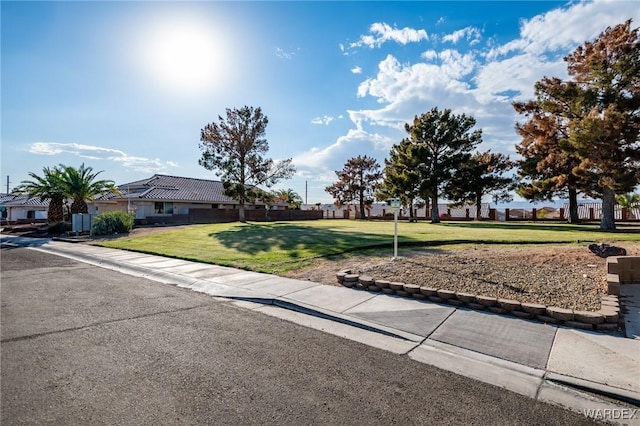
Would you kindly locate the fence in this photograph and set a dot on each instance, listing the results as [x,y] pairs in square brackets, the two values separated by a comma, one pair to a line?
[232,215]
[586,212]
[383,211]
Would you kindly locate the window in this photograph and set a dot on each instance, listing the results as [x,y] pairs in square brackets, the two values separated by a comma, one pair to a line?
[163,208]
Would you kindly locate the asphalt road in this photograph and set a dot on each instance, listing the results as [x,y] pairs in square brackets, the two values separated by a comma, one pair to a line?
[85,345]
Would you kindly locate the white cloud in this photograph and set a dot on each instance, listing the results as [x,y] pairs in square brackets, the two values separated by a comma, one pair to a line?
[381,32]
[567,27]
[356,70]
[481,82]
[470,34]
[396,82]
[326,119]
[282,54]
[142,164]
[356,142]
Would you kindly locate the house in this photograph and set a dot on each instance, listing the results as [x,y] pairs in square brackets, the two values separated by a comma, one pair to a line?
[22,208]
[164,199]
[169,199]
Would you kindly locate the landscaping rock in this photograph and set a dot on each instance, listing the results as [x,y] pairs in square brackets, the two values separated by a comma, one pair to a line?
[606,327]
[560,314]
[365,280]
[382,283]
[476,306]
[534,308]
[466,297]
[486,301]
[351,277]
[411,288]
[589,317]
[611,316]
[497,310]
[429,291]
[349,284]
[605,250]
[446,294]
[523,315]
[396,286]
[547,319]
[509,305]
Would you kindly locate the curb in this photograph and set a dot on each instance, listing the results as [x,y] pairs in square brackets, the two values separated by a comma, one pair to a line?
[595,388]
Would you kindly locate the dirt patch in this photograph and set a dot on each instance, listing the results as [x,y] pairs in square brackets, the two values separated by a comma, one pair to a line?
[567,275]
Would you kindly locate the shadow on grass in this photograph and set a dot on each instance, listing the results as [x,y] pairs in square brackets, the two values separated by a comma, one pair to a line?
[254,238]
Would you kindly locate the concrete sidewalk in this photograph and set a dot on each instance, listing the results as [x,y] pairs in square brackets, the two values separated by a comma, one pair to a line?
[576,369]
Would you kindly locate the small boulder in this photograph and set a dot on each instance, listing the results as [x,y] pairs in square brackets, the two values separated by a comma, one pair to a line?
[605,250]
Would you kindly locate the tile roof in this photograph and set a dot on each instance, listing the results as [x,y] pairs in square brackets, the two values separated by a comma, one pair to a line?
[175,188]
[22,200]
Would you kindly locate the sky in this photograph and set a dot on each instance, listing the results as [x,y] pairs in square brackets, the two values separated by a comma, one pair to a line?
[126,87]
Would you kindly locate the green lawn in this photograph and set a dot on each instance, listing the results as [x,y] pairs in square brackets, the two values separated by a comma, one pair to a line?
[281,246]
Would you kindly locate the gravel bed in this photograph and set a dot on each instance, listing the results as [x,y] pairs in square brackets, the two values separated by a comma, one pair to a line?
[526,277]
[563,275]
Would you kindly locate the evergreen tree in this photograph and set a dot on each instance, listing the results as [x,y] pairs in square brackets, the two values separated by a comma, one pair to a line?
[235,147]
[357,181]
[401,178]
[483,173]
[442,142]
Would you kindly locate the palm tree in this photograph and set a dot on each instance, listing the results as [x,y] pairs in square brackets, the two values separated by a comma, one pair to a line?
[288,196]
[629,202]
[50,186]
[79,185]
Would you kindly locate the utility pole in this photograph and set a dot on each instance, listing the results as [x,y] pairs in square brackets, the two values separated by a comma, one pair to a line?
[7,184]
[306,192]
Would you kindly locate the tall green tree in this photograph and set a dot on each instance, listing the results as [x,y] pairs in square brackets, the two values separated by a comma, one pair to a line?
[357,181]
[48,186]
[442,141]
[288,196]
[607,70]
[482,174]
[235,148]
[81,185]
[401,178]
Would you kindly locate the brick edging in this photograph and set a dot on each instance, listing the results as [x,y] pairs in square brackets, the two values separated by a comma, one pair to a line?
[607,319]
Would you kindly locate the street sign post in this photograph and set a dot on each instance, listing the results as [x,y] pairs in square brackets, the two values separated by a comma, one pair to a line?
[395,206]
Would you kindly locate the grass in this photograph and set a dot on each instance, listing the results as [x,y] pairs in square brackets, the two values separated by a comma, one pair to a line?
[282,246]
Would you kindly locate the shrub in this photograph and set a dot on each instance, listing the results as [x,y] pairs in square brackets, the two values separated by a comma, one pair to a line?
[112,223]
[59,228]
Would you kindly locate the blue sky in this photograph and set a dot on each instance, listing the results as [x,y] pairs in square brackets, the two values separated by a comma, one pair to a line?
[125,87]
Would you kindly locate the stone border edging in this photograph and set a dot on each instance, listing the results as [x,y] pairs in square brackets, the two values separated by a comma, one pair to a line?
[607,319]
